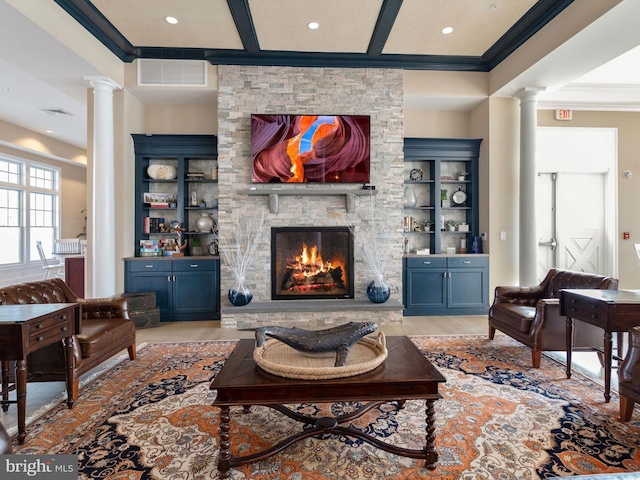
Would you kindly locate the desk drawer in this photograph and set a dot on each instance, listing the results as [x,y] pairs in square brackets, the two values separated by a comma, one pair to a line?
[51,329]
[586,311]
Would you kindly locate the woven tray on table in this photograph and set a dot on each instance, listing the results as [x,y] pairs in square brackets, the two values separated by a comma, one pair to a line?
[280,359]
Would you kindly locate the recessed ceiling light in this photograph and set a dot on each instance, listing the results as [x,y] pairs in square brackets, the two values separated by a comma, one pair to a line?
[447,30]
[313,25]
[49,131]
[171,20]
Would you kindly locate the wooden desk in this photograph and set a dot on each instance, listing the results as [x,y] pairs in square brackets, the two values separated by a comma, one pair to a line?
[406,374]
[25,329]
[611,310]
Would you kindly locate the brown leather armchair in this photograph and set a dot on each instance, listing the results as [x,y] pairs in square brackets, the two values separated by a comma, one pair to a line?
[531,315]
[105,329]
[629,376]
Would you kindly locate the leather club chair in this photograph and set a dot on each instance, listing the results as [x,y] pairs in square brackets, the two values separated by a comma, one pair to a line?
[629,376]
[105,329]
[531,315]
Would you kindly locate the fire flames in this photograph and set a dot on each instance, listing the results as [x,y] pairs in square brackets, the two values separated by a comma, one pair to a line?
[309,270]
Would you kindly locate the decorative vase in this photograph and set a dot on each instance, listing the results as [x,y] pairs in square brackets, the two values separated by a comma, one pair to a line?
[410,199]
[197,251]
[240,298]
[162,172]
[205,223]
[378,293]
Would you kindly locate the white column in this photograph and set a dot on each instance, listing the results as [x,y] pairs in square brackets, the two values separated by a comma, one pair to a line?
[528,174]
[101,251]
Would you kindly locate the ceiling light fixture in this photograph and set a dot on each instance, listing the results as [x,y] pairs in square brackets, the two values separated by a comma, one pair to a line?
[447,30]
[49,131]
[171,20]
[313,25]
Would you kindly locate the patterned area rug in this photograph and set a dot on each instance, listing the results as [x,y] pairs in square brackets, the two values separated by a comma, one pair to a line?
[498,419]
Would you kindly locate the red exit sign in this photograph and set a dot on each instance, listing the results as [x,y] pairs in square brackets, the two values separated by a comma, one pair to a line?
[563,114]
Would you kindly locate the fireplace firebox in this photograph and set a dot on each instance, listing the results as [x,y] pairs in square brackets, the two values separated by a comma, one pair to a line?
[311,263]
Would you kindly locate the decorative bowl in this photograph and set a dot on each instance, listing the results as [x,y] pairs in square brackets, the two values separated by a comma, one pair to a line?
[162,172]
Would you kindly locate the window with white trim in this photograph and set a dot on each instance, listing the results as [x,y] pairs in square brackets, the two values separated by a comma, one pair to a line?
[29,209]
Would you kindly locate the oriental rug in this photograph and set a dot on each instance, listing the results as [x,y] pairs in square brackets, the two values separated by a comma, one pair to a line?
[498,419]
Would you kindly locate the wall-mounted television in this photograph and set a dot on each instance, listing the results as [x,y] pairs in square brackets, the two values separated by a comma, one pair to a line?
[310,148]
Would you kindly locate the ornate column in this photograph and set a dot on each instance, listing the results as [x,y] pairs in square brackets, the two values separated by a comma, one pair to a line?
[528,174]
[101,252]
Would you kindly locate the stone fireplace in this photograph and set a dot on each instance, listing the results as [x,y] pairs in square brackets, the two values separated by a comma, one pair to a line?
[311,263]
[378,93]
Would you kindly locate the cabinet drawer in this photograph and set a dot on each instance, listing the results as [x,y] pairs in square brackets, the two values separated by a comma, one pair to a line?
[426,262]
[195,265]
[149,266]
[466,262]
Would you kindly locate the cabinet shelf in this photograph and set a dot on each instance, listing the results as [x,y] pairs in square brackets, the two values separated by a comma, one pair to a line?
[204,180]
[440,160]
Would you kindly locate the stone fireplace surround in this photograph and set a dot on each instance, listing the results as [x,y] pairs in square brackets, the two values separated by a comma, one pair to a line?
[244,90]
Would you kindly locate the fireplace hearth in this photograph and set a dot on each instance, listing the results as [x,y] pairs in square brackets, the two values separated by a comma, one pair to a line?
[311,263]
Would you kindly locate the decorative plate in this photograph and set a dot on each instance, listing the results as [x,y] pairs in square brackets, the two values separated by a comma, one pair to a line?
[415,174]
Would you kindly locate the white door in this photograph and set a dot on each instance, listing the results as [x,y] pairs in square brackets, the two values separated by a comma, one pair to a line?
[546,228]
[581,221]
[571,222]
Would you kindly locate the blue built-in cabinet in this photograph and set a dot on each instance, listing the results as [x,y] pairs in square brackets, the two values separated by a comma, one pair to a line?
[446,285]
[442,283]
[186,287]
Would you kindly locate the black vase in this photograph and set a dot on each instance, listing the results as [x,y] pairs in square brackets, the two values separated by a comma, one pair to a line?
[239,299]
[378,293]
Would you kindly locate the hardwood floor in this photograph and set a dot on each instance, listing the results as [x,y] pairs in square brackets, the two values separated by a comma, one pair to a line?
[40,395]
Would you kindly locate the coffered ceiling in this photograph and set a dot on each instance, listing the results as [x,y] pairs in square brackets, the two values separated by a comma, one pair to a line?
[401,33]
[40,74]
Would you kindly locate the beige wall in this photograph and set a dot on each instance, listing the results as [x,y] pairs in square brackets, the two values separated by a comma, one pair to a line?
[628,126]
[22,143]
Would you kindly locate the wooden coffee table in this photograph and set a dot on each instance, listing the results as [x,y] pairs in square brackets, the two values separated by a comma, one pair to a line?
[405,375]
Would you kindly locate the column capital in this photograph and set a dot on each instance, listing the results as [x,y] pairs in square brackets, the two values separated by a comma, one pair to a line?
[528,93]
[95,81]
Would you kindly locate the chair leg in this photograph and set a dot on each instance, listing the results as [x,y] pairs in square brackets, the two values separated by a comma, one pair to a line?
[492,332]
[536,357]
[132,351]
[626,408]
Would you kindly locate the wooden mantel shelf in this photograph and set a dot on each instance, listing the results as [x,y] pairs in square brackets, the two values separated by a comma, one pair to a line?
[275,193]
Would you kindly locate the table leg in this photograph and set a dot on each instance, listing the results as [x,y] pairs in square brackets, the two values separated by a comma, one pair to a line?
[21,394]
[430,449]
[224,457]
[5,385]
[608,353]
[70,364]
[569,333]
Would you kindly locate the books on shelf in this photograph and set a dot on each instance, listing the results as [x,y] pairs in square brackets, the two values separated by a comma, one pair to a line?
[195,176]
[152,225]
[150,248]
[407,224]
[159,205]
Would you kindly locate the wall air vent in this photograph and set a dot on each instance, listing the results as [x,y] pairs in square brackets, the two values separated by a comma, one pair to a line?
[158,72]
